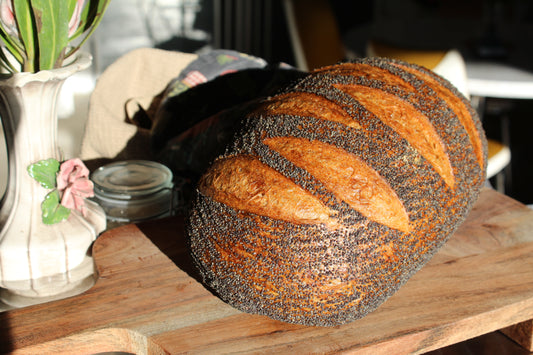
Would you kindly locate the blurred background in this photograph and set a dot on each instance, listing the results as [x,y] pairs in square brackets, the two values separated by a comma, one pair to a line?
[312,33]
[261,27]
[481,30]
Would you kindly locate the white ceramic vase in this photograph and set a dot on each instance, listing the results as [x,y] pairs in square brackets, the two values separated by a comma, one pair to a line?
[40,262]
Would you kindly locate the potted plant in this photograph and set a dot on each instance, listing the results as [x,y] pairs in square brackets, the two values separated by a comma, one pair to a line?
[44,236]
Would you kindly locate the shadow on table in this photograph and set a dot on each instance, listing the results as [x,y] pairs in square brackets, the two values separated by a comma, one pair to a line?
[6,344]
[169,236]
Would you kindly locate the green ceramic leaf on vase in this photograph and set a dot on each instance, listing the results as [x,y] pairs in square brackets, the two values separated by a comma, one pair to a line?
[53,211]
[45,171]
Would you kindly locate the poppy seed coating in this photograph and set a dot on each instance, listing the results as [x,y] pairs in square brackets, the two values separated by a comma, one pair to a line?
[336,191]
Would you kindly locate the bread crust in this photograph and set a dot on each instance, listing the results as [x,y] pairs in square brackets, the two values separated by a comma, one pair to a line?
[341,253]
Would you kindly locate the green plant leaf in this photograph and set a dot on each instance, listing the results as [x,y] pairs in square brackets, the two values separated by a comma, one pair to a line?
[6,63]
[12,45]
[43,40]
[91,15]
[45,171]
[53,211]
[26,27]
[90,18]
[52,18]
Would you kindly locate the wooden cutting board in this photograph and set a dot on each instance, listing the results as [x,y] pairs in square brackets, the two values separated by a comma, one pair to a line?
[147,301]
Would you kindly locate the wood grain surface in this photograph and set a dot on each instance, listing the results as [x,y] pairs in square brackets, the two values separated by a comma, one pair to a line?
[147,299]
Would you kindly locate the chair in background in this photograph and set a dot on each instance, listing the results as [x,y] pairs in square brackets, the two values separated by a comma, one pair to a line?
[499,159]
[314,33]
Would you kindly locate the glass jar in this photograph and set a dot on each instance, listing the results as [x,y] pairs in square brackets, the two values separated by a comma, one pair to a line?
[133,191]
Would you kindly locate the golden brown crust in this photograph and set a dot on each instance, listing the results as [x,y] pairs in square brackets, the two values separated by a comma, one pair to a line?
[410,123]
[460,109]
[261,256]
[442,90]
[246,184]
[307,104]
[354,182]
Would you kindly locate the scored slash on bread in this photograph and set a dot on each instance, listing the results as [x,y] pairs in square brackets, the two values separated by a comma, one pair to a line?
[336,191]
[408,122]
[246,184]
[354,182]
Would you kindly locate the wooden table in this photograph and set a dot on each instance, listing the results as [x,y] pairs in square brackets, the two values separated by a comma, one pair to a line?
[147,301]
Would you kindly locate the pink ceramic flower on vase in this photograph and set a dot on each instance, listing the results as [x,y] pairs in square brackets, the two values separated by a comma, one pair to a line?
[74,185]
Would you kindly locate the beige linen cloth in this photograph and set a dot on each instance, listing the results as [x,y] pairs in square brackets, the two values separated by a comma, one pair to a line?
[130,85]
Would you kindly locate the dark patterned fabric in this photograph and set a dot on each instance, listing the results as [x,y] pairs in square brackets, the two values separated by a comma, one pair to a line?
[202,107]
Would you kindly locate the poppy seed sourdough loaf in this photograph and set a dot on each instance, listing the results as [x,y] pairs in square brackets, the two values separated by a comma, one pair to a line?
[337,191]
